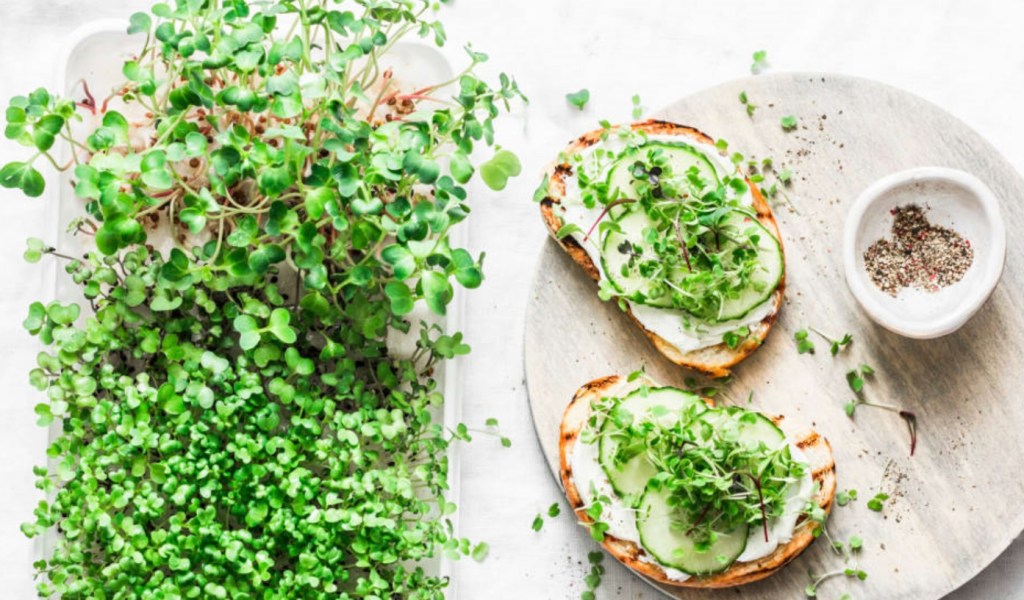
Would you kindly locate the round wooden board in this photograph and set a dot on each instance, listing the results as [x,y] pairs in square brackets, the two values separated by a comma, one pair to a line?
[955,504]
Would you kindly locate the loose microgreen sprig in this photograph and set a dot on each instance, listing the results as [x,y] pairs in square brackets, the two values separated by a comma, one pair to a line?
[233,420]
[855,378]
[788,123]
[836,344]
[853,545]
[804,345]
[811,591]
[877,502]
[774,188]
[579,99]
[638,109]
[593,579]
[760,62]
[747,104]
[845,497]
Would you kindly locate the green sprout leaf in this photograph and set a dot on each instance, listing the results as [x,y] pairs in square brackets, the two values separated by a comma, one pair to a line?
[760,62]
[139,23]
[877,502]
[279,326]
[436,291]
[579,99]
[35,248]
[22,176]
[497,171]
[402,301]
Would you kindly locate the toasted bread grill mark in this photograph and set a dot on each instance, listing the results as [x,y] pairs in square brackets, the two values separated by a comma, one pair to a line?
[823,472]
[597,384]
[810,440]
[822,467]
[713,360]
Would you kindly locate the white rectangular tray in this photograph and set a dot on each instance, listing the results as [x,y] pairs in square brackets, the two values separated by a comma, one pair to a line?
[95,52]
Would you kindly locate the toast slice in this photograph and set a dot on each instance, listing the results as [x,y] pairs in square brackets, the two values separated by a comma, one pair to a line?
[813,445]
[713,360]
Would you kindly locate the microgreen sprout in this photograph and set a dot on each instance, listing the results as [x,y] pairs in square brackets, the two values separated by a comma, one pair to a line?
[760,62]
[733,338]
[811,591]
[836,344]
[714,390]
[579,99]
[638,109]
[855,380]
[845,497]
[747,104]
[804,345]
[877,502]
[788,123]
[593,579]
[637,374]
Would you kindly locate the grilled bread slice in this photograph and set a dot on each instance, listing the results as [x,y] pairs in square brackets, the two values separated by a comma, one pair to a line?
[714,360]
[814,446]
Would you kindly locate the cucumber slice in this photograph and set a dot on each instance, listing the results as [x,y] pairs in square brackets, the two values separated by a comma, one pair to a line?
[623,250]
[681,157]
[742,425]
[630,479]
[764,280]
[663,534]
[620,247]
[755,429]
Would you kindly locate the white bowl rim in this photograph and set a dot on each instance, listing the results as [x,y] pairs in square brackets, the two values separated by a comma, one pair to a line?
[974,299]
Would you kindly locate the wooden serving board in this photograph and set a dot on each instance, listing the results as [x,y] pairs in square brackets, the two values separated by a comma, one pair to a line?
[955,505]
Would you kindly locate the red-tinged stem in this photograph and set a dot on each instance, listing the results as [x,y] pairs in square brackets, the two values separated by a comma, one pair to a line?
[416,96]
[911,420]
[106,102]
[699,519]
[90,100]
[604,213]
[682,244]
[909,417]
[760,499]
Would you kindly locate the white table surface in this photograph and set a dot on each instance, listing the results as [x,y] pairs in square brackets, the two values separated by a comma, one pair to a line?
[964,56]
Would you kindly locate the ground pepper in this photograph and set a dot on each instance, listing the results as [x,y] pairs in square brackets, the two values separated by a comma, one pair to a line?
[919,255]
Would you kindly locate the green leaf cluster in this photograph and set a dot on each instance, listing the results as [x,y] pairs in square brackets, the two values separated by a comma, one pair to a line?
[233,421]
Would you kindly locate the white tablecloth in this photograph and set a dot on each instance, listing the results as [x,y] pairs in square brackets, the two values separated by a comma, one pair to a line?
[964,56]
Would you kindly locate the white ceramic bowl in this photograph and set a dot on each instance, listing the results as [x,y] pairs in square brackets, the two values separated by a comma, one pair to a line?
[953,199]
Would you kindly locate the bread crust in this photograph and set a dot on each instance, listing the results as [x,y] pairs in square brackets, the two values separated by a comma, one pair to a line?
[713,360]
[815,447]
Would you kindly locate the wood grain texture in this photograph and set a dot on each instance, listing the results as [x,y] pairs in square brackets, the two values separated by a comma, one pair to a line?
[954,506]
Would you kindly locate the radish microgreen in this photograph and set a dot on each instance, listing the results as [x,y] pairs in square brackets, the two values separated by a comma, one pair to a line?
[877,502]
[845,497]
[747,104]
[579,99]
[803,343]
[836,344]
[760,62]
[788,123]
[593,579]
[638,109]
[855,379]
